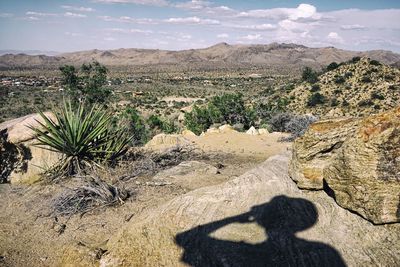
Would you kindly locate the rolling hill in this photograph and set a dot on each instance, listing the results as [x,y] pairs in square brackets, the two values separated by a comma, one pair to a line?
[220,56]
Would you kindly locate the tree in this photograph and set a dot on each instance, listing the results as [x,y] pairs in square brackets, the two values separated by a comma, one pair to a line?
[309,75]
[315,99]
[87,84]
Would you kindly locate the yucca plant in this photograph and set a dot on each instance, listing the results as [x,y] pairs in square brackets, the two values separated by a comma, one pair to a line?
[83,135]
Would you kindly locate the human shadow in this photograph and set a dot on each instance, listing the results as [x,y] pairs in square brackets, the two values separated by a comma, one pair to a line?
[281,218]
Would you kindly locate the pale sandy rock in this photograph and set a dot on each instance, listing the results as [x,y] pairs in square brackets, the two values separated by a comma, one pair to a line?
[226,128]
[189,174]
[313,151]
[37,161]
[212,130]
[252,131]
[365,173]
[17,128]
[167,140]
[263,131]
[258,219]
[22,162]
[188,133]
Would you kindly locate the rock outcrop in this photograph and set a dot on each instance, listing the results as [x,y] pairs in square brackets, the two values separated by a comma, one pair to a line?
[257,219]
[365,173]
[313,151]
[357,159]
[20,161]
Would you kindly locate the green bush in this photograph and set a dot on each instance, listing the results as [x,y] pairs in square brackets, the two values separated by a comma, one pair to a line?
[156,123]
[227,108]
[315,99]
[309,75]
[355,59]
[84,136]
[366,79]
[315,88]
[136,127]
[375,62]
[376,95]
[87,85]
[332,66]
[198,120]
[339,79]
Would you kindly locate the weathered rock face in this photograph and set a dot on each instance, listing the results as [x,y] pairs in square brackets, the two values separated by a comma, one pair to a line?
[359,159]
[257,219]
[20,160]
[161,140]
[313,151]
[365,173]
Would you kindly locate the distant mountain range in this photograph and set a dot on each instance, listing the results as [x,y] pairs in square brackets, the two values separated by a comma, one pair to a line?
[220,56]
[29,52]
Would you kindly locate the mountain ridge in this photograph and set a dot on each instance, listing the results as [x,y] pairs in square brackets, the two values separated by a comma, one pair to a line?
[221,55]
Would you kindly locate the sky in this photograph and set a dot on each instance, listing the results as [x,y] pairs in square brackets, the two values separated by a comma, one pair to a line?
[73,25]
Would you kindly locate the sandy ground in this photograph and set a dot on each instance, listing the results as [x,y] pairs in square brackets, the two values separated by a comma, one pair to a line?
[31,235]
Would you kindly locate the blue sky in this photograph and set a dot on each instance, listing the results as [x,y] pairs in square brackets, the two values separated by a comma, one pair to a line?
[71,25]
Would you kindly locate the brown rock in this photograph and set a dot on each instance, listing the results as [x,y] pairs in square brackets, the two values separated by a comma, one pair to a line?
[258,218]
[365,173]
[313,151]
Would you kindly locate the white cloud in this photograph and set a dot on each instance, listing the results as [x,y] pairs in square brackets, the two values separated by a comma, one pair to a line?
[74,15]
[138,2]
[334,37]
[78,8]
[259,27]
[192,21]
[223,35]
[252,37]
[193,5]
[40,14]
[126,19]
[303,11]
[120,30]
[352,27]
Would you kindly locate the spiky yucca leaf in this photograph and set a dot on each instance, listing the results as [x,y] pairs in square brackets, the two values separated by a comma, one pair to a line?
[83,135]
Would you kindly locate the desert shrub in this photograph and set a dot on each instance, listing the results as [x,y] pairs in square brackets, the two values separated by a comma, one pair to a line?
[378,96]
[334,102]
[296,125]
[315,88]
[355,59]
[87,197]
[366,79]
[309,75]
[157,123]
[198,120]
[227,108]
[332,66]
[339,80]
[337,91]
[135,125]
[365,103]
[84,136]
[315,99]
[348,74]
[375,62]
[345,103]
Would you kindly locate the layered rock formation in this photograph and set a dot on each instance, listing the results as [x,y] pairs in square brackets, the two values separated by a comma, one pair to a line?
[358,160]
[257,219]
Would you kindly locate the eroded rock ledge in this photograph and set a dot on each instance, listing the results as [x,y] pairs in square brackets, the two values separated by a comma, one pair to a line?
[358,159]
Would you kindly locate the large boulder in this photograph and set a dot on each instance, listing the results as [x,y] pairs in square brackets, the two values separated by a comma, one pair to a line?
[313,151]
[365,173]
[21,162]
[258,219]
